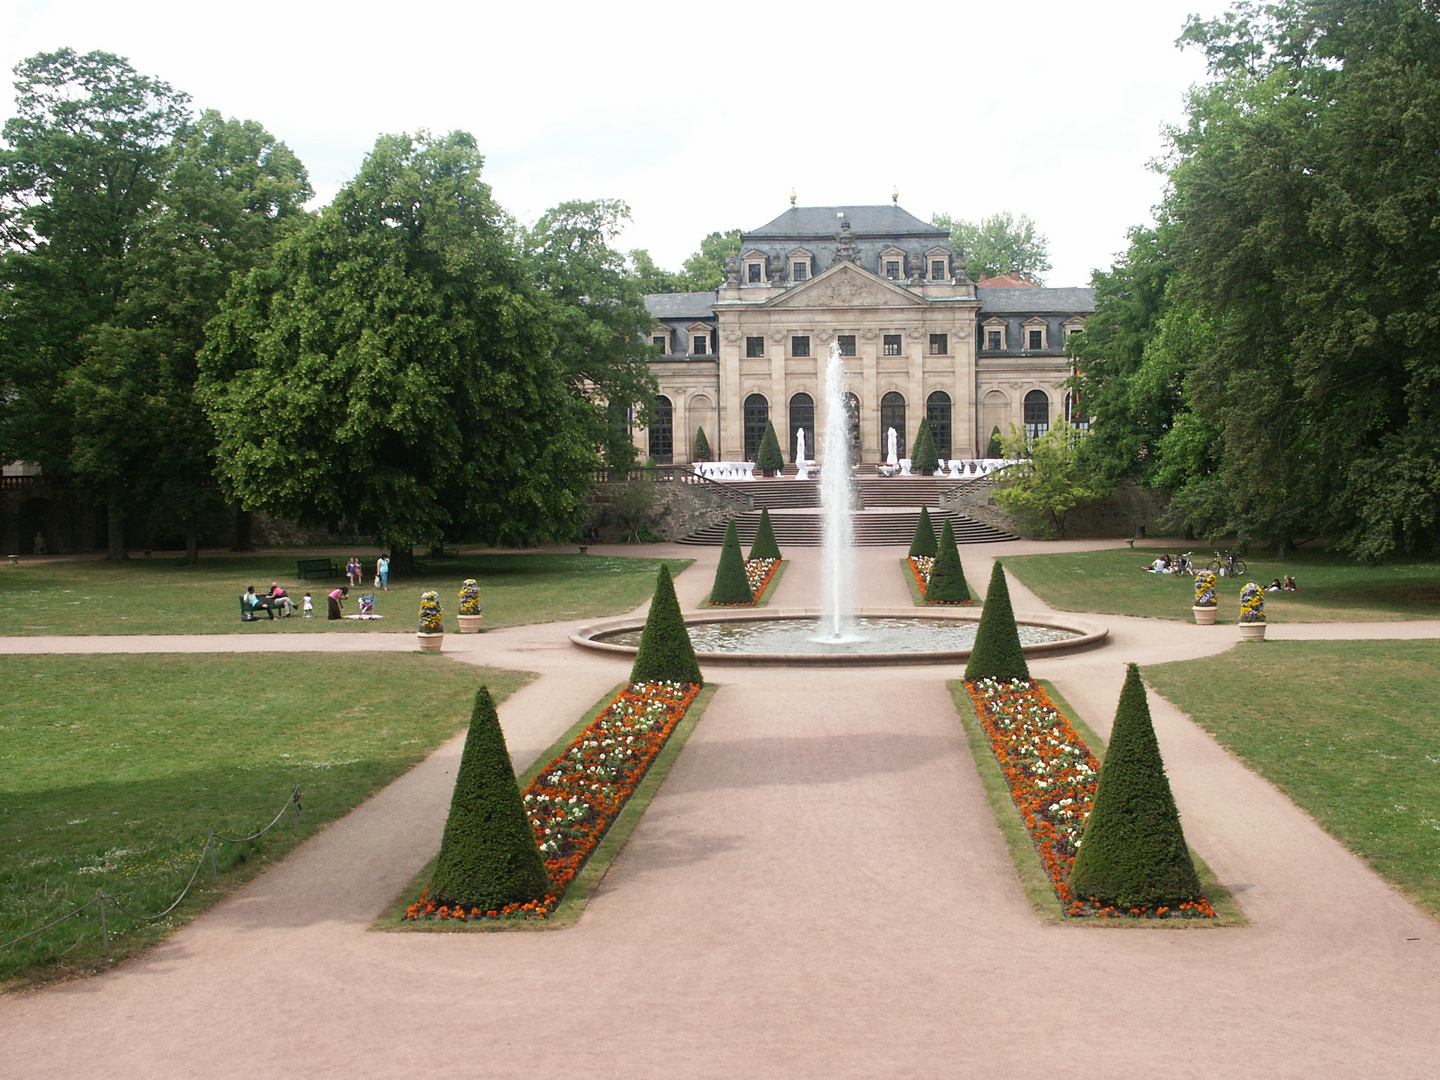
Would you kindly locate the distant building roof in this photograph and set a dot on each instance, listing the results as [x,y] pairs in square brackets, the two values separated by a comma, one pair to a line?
[1038,301]
[1014,280]
[823,222]
[681,305]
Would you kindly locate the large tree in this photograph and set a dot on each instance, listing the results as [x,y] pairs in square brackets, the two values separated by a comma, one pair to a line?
[998,244]
[705,270]
[392,369]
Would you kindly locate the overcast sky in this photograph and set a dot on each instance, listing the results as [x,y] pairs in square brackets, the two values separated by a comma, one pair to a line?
[700,117]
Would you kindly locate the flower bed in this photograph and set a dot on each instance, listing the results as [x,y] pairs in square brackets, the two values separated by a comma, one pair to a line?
[1052,776]
[575,799]
[920,566]
[759,572]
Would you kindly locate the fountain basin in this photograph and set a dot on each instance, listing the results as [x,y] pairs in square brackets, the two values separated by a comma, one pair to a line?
[887,649]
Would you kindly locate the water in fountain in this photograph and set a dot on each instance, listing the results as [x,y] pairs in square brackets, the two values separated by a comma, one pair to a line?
[837,601]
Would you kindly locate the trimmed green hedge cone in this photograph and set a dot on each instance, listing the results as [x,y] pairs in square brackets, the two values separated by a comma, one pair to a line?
[488,856]
[765,546]
[732,586]
[666,653]
[702,446]
[1133,853]
[769,456]
[924,542]
[947,583]
[997,653]
[996,448]
[923,458]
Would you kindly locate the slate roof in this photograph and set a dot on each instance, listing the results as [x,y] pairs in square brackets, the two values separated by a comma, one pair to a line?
[1079,301]
[683,305]
[823,222]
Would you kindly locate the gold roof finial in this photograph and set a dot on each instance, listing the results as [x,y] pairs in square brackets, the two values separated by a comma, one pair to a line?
[792,196]
[895,195]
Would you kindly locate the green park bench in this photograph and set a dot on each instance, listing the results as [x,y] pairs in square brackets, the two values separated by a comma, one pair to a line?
[319,567]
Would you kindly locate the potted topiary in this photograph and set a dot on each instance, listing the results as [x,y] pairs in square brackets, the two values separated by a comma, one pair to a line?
[702,446]
[432,627]
[1204,609]
[470,610]
[1252,613]
[768,458]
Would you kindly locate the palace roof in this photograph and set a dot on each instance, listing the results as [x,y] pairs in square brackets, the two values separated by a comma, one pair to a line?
[681,305]
[823,222]
[1080,300]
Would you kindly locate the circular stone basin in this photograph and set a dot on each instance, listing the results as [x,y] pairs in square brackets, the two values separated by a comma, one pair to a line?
[893,636]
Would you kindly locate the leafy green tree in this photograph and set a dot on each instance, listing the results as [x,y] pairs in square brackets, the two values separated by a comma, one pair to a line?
[923,544]
[768,456]
[1133,853]
[651,278]
[732,584]
[597,311]
[85,156]
[998,244]
[488,855]
[705,270]
[400,339]
[947,583]
[765,545]
[997,653]
[702,446]
[1043,488]
[995,448]
[666,653]
[924,458]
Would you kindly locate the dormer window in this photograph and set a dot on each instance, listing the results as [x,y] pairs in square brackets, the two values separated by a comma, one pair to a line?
[753,267]
[993,335]
[753,272]
[938,259]
[799,271]
[892,264]
[1036,335]
[701,341]
[1072,326]
[892,269]
[659,342]
[800,262]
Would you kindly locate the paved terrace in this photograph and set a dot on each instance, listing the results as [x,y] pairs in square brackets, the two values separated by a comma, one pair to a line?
[819,890]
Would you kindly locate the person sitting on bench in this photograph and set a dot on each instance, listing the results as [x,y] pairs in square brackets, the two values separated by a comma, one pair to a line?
[280,599]
[254,603]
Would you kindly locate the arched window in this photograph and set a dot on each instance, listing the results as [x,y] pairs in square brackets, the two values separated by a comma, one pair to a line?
[662,431]
[1037,415]
[937,413]
[892,414]
[757,413]
[852,421]
[802,418]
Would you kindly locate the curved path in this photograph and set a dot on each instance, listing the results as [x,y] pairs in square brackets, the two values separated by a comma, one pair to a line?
[819,890]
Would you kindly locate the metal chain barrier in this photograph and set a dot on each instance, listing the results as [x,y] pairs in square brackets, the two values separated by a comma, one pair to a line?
[102,897]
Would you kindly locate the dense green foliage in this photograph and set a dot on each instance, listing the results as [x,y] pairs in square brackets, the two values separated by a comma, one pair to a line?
[924,541]
[765,545]
[1048,481]
[997,653]
[947,583]
[995,447]
[1133,854]
[768,456]
[732,586]
[488,856]
[702,446]
[706,269]
[924,458]
[665,653]
[998,244]
[1274,343]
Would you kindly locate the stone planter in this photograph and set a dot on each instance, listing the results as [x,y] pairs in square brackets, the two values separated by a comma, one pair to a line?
[1204,616]
[431,642]
[470,624]
[1252,631]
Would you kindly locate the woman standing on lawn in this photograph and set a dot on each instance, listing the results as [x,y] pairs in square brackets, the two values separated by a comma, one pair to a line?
[336,599]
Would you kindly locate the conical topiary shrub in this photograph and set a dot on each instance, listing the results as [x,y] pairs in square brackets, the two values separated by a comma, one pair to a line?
[765,546]
[488,857]
[947,583]
[996,448]
[769,457]
[702,446]
[1133,853]
[923,457]
[732,585]
[997,653]
[924,542]
[665,653]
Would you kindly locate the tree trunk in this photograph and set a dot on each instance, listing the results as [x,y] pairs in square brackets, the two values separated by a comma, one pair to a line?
[115,535]
[402,561]
[192,538]
[243,542]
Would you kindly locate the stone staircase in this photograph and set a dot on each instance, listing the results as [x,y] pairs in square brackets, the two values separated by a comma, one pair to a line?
[873,528]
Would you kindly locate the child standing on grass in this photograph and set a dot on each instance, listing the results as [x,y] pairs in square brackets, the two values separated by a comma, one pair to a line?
[309,607]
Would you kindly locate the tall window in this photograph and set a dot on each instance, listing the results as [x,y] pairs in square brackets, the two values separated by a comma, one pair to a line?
[661,342]
[754,346]
[752,273]
[846,343]
[802,418]
[852,422]
[995,339]
[937,269]
[939,344]
[662,432]
[799,271]
[892,269]
[937,413]
[800,345]
[892,414]
[757,412]
[892,344]
[700,344]
[1037,339]
[1037,415]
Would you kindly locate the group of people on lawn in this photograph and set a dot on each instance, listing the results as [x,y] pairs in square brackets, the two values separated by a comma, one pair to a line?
[355,574]
[278,599]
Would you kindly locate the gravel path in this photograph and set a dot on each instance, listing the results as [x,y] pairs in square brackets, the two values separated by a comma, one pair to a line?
[819,890]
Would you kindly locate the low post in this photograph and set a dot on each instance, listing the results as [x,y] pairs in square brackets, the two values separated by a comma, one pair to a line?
[104,928]
[295,796]
[210,847]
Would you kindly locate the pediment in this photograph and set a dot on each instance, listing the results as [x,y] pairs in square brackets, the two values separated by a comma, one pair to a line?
[846,285]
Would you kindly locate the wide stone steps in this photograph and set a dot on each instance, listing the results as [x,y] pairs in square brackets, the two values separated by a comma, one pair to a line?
[805,528]
[784,493]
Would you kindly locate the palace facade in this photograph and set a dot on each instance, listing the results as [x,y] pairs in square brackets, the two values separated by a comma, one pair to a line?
[921,341]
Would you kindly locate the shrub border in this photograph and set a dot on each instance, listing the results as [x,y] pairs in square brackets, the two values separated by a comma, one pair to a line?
[762,594]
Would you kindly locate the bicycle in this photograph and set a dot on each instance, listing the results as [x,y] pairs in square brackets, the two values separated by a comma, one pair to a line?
[1183,564]
[1227,565]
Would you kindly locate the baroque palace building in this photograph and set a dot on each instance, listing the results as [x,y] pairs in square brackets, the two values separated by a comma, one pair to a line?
[921,340]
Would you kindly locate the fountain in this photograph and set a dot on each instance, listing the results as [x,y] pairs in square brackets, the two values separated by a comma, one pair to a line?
[837,595]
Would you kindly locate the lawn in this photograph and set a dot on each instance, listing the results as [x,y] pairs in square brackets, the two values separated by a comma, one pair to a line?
[1332,589]
[119,796]
[1357,748]
[153,596]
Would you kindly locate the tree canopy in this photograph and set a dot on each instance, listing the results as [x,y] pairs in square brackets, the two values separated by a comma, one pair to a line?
[998,244]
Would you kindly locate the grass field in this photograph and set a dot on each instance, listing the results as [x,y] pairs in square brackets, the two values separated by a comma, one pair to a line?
[1332,589]
[117,792]
[1346,729]
[155,597]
